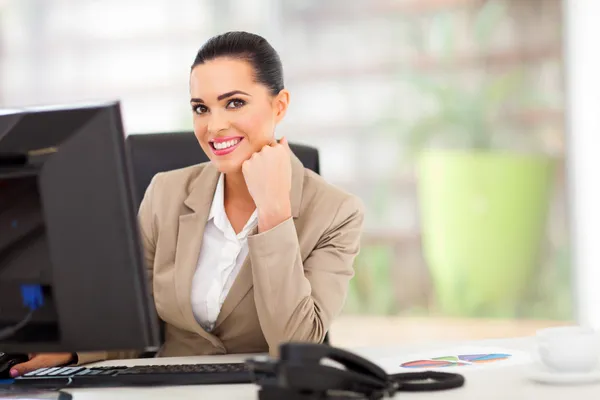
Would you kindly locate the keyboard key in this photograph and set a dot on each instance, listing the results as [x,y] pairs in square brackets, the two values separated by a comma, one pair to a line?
[59,371]
[85,371]
[71,371]
[48,371]
[95,372]
[37,371]
[108,372]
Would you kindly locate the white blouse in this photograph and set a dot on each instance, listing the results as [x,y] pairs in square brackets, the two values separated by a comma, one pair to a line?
[221,256]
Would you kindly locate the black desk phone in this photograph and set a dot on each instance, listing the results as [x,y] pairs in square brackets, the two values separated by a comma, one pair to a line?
[301,374]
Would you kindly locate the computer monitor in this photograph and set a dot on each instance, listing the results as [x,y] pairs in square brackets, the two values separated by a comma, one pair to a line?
[68,232]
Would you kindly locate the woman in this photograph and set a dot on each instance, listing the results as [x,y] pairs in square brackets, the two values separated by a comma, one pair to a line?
[250,249]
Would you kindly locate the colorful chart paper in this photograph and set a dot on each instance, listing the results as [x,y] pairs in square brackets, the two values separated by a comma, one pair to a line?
[460,358]
[456,361]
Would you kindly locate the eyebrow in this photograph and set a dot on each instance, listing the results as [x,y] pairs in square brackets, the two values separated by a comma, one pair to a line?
[221,97]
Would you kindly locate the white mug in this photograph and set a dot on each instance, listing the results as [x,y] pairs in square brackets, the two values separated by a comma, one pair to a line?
[570,349]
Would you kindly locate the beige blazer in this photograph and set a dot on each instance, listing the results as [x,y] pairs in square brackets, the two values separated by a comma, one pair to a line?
[291,286]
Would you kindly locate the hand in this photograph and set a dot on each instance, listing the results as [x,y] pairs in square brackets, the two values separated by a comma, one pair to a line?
[42,360]
[268,175]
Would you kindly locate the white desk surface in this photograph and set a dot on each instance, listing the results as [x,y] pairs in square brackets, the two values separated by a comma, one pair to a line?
[489,384]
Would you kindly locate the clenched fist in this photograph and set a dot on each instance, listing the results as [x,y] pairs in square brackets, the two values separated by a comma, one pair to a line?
[268,175]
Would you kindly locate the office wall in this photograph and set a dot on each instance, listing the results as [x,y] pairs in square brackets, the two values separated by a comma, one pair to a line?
[583,124]
[364,76]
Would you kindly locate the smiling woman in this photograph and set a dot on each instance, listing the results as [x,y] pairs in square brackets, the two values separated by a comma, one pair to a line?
[249,250]
[236,86]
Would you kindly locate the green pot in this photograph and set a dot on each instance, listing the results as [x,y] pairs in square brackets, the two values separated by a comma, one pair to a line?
[483,217]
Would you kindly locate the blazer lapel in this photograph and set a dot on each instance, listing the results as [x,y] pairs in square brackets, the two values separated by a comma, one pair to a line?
[189,242]
[243,282]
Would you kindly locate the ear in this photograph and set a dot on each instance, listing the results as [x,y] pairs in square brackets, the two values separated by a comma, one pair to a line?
[280,104]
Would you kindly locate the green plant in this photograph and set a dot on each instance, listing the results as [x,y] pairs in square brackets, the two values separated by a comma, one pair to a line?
[467,111]
[371,289]
[482,211]
[464,117]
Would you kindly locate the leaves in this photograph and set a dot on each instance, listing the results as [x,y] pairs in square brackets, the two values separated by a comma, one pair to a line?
[502,88]
[465,116]
[423,131]
[486,21]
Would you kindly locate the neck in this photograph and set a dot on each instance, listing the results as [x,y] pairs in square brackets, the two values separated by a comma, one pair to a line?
[236,190]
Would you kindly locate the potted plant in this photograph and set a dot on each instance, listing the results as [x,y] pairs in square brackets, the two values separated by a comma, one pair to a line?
[483,195]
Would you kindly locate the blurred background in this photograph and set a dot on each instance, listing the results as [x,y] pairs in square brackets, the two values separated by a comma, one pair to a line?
[444,116]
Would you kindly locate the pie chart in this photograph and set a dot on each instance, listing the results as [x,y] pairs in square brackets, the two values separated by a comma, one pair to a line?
[456,361]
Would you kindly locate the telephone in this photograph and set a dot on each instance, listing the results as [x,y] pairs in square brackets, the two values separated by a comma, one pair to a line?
[304,372]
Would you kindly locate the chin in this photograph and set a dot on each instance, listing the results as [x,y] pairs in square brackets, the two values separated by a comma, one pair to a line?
[232,162]
[227,166]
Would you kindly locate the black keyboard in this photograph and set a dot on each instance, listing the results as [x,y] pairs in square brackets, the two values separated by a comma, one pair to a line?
[146,375]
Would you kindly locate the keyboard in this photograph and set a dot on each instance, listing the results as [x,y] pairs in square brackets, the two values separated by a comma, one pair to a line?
[146,375]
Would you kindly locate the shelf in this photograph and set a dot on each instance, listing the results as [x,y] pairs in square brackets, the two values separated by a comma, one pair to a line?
[426,63]
[93,92]
[532,117]
[343,11]
[361,183]
[311,129]
[522,117]
[389,237]
[73,43]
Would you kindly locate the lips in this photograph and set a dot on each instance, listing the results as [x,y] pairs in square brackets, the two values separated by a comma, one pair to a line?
[225,145]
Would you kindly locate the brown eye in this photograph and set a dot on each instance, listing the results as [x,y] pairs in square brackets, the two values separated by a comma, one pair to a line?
[199,109]
[236,103]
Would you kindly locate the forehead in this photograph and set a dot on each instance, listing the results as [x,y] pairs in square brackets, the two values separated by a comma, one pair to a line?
[220,76]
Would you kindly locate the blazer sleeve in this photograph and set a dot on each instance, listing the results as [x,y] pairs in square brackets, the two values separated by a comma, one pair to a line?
[148,234]
[296,300]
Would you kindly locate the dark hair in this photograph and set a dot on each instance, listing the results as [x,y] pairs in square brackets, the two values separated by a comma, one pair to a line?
[250,47]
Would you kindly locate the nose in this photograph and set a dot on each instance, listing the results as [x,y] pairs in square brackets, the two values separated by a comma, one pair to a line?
[217,122]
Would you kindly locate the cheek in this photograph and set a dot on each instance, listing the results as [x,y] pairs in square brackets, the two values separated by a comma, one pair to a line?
[201,131]
[256,126]
[200,127]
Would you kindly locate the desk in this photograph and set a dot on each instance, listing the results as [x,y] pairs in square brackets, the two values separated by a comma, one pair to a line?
[493,384]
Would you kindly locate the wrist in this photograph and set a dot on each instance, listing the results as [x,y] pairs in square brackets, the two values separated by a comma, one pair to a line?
[271,216]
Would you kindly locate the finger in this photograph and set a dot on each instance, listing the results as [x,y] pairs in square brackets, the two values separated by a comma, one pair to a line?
[38,362]
[285,143]
[245,166]
[23,368]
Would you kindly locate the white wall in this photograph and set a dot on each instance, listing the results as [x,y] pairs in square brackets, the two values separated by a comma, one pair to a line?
[582,51]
